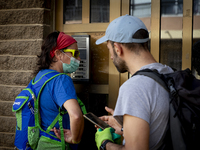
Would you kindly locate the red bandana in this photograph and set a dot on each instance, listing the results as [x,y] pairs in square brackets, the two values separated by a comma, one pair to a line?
[63,41]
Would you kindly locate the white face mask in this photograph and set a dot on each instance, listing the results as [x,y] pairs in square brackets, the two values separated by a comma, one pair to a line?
[72,67]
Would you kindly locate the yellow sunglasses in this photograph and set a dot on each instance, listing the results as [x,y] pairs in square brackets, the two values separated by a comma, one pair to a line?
[74,52]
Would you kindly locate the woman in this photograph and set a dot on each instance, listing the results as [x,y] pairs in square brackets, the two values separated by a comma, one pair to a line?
[60,53]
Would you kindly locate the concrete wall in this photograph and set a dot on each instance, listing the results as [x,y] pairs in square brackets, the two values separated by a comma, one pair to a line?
[23,25]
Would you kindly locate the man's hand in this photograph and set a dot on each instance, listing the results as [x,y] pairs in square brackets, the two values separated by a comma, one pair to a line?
[102,135]
[110,120]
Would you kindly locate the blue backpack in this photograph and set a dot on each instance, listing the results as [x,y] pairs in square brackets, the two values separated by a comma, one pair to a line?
[26,108]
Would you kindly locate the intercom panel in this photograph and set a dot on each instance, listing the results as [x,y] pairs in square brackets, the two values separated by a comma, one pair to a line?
[82,73]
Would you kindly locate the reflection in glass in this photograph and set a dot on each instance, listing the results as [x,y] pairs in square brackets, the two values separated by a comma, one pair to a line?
[140,8]
[171,7]
[196,7]
[72,11]
[196,31]
[171,53]
[100,11]
[196,21]
[171,33]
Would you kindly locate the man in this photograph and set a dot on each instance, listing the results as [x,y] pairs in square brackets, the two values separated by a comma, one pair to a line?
[142,105]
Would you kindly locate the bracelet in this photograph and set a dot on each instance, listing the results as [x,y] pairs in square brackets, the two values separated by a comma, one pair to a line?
[122,129]
[74,142]
[103,145]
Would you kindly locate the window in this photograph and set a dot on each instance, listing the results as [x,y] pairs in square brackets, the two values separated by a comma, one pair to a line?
[140,8]
[196,27]
[171,33]
[100,11]
[171,7]
[72,11]
[196,7]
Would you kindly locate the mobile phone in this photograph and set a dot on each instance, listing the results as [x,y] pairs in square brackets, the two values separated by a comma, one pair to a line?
[95,120]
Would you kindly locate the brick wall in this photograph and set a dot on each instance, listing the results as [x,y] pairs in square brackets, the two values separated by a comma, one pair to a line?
[23,25]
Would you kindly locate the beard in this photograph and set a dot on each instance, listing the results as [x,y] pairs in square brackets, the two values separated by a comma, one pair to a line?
[119,63]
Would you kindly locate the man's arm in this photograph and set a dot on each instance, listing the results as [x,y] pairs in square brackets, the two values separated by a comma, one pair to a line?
[112,146]
[136,135]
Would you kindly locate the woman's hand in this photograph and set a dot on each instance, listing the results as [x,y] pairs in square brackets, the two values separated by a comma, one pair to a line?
[67,134]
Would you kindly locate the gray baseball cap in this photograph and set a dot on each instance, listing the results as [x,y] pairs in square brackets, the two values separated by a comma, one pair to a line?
[122,29]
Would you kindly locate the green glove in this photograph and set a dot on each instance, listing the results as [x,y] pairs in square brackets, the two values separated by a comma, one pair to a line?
[102,135]
[116,138]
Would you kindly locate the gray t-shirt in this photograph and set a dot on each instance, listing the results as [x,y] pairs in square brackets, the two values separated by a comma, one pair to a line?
[142,97]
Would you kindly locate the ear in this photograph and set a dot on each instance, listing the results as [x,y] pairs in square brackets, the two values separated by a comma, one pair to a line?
[118,49]
[58,54]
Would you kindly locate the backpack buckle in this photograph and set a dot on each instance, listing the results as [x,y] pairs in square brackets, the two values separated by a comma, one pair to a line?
[33,97]
[31,108]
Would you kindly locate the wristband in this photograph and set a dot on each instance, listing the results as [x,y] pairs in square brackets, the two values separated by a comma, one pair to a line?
[74,142]
[103,145]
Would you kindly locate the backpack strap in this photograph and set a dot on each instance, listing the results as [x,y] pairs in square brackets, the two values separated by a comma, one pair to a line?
[82,106]
[58,116]
[38,85]
[154,75]
[61,129]
[166,82]
[53,123]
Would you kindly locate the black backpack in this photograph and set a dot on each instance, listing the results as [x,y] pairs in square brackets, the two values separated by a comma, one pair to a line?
[184,120]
